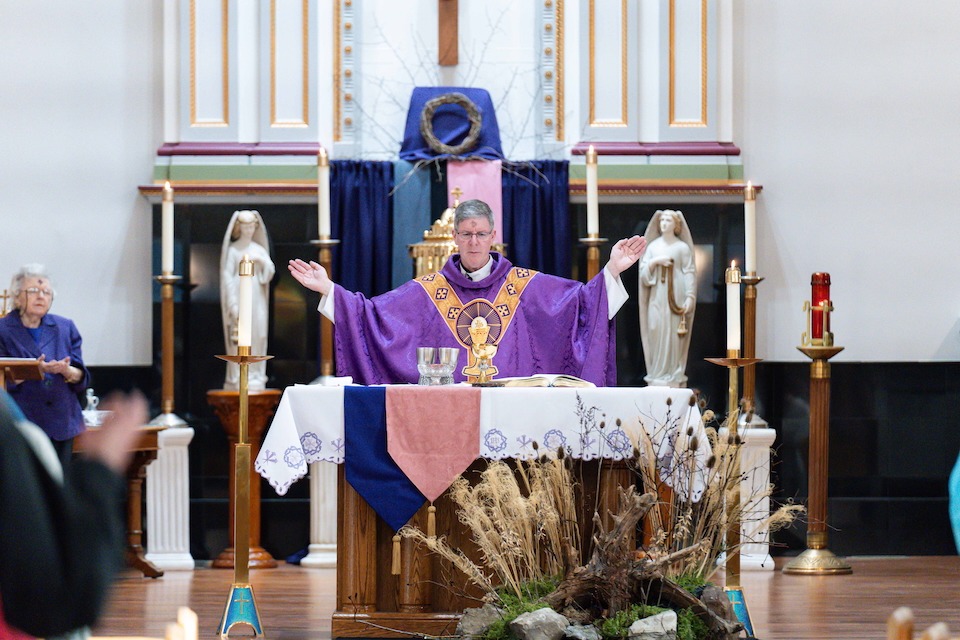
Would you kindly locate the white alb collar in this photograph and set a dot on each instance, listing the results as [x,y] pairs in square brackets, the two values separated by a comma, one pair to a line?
[480,273]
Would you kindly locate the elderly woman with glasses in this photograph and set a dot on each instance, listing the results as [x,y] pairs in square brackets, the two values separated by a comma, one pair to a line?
[30,331]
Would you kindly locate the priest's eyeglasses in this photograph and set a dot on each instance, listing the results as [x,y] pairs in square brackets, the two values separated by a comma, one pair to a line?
[37,291]
[481,236]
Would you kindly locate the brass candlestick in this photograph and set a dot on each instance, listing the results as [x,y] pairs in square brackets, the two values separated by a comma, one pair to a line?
[241,608]
[325,247]
[751,279]
[592,242]
[817,559]
[734,591]
[167,417]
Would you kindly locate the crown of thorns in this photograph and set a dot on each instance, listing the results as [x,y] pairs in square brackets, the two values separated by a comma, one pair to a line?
[426,124]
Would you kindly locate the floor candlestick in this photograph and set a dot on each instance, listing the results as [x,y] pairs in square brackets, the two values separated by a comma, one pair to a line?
[167,417]
[241,607]
[732,586]
[817,559]
[751,280]
[592,243]
[325,248]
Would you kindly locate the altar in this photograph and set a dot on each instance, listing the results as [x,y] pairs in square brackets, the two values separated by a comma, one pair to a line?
[600,427]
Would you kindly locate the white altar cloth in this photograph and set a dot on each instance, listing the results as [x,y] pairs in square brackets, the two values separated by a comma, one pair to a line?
[588,423]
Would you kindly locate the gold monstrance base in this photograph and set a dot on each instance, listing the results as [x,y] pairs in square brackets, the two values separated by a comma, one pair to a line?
[241,608]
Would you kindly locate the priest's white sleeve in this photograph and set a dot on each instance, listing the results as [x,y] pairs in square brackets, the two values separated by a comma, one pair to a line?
[616,293]
[326,305]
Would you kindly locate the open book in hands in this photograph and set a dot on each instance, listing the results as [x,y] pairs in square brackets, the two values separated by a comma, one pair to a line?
[541,380]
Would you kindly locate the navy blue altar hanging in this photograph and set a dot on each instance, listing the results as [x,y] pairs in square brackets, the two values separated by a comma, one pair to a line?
[451,125]
[360,217]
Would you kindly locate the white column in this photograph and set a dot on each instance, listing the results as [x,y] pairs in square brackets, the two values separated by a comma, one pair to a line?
[755,465]
[168,502]
[322,552]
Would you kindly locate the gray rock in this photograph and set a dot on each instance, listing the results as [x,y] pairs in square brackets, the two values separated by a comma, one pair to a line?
[475,622]
[662,626]
[582,632]
[715,599]
[542,624]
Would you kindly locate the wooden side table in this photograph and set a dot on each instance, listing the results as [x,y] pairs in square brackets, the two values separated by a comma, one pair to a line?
[261,406]
[143,454]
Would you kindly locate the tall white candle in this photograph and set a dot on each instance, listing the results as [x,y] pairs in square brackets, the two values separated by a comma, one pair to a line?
[732,279]
[593,202]
[750,228]
[166,230]
[245,316]
[323,193]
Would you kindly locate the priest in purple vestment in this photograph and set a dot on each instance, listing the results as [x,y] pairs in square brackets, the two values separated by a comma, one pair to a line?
[539,323]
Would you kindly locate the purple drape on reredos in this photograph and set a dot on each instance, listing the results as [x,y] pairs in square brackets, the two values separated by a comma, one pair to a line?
[560,326]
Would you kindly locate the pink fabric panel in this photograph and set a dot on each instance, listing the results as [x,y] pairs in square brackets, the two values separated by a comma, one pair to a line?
[433,433]
[479,180]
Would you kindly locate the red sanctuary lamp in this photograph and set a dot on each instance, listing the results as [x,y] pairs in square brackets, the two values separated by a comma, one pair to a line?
[818,310]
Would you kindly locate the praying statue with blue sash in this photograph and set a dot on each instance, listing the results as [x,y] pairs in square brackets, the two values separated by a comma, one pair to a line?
[539,323]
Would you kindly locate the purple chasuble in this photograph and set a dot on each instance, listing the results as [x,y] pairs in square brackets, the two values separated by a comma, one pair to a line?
[559,326]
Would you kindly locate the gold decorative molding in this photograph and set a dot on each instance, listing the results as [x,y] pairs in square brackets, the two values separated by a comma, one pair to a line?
[558,67]
[624,62]
[672,80]
[225,65]
[670,188]
[337,79]
[305,67]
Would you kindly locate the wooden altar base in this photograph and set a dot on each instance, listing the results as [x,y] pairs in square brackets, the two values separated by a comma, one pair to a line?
[429,594]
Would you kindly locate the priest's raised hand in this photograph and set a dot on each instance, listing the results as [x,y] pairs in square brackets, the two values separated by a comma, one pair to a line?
[311,275]
[625,254]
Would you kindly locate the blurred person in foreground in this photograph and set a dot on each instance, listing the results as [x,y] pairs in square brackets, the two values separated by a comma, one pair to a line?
[62,533]
[31,331]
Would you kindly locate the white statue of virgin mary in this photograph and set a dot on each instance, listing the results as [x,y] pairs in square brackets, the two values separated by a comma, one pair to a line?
[668,298]
[246,236]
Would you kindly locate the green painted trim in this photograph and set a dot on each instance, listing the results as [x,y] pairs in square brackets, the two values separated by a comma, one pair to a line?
[661,172]
[307,172]
[214,173]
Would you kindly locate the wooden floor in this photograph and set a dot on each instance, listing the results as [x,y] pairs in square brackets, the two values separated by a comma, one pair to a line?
[296,603]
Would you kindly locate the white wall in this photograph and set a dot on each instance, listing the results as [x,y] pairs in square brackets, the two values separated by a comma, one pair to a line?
[79,116]
[847,115]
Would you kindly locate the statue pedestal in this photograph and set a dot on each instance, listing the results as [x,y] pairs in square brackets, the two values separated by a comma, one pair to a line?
[758,439]
[168,502]
[261,405]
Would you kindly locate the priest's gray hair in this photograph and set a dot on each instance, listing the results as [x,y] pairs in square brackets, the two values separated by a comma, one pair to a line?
[472,209]
[32,270]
